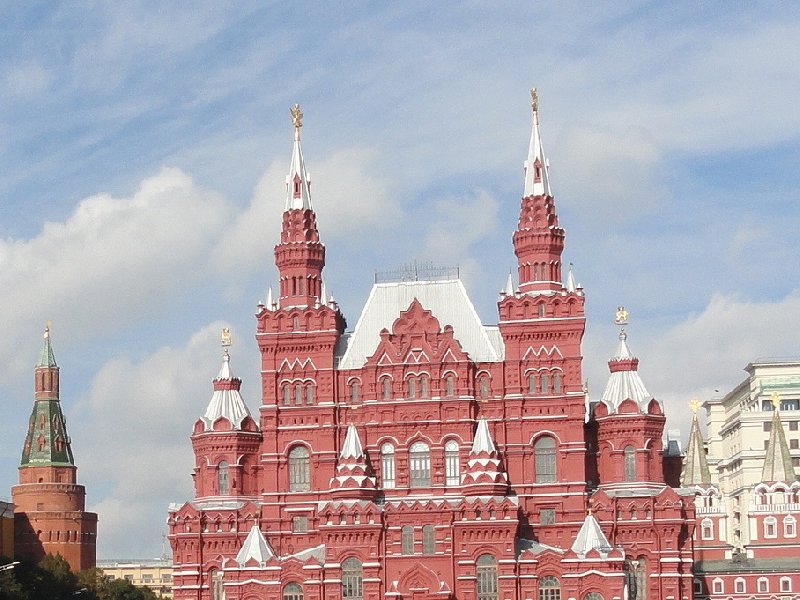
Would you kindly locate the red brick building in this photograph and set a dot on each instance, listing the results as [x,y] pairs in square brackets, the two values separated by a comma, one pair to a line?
[424,454]
[49,505]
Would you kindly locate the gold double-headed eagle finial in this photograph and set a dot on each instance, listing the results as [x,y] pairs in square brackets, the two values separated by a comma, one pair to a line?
[695,405]
[534,100]
[621,318]
[225,337]
[775,398]
[297,116]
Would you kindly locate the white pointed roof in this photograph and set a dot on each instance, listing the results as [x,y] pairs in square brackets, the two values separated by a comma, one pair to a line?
[299,197]
[571,286]
[483,439]
[625,382]
[352,444]
[509,285]
[534,187]
[254,547]
[590,537]
[226,402]
[448,302]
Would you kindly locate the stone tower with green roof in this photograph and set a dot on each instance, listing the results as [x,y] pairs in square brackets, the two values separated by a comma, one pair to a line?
[50,515]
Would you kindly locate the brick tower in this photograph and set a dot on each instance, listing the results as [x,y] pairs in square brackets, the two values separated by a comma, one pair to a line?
[50,515]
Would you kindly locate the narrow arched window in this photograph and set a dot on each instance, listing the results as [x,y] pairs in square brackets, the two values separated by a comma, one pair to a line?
[483,386]
[789,526]
[450,385]
[532,384]
[629,455]
[593,596]
[222,477]
[543,384]
[541,309]
[419,464]
[387,466]
[355,392]
[486,577]
[352,579]
[298,394]
[423,386]
[544,456]
[452,467]
[287,393]
[299,470]
[428,539]
[556,382]
[549,588]
[411,385]
[216,585]
[309,393]
[293,591]
[407,540]
[707,529]
[387,388]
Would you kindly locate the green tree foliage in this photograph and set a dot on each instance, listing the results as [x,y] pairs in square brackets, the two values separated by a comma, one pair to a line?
[52,579]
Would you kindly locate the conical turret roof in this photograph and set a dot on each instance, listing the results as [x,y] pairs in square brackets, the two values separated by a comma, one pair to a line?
[624,381]
[255,547]
[778,460]
[226,401]
[590,537]
[695,464]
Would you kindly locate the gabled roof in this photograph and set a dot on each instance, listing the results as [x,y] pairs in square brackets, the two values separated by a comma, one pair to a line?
[255,547]
[446,299]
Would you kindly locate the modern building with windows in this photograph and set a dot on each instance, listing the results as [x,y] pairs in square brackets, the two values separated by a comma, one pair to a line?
[748,492]
[153,574]
[425,455]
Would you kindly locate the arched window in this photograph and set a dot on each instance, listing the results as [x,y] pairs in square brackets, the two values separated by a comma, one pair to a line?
[287,393]
[483,387]
[407,540]
[629,455]
[293,591]
[789,526]
[411,387]
[352,579]
[452,468]
[216,585]
[450,385]
[543,384]
[770,529]
[387,466]
[386,384]
[309,393]
[299,470]
[638,589]
[556,382]
[355,391]
[423,386]
[786,584]
[738,585]
[763,585]
[428,539]
[544,455]
[222,478]
[486,577]
[549,588]
[707,529]
[419,465]
[541,310]
[532,385]
[593,596]
[298,394]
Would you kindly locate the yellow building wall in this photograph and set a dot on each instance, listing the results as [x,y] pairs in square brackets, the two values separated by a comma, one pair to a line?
[156,575]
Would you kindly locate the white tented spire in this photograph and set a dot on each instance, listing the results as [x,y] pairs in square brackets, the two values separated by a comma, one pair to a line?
[255,547]
[323,294]
[270,300]
[571,286]
[352,444]
[483,441]
[590,537]
[509,285]
[537,176]
[298,181]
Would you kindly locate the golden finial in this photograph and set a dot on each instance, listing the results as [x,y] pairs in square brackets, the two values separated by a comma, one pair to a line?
[695,405]
[225,338]
[775,398]
[621,318]
[297,116]
[534,100]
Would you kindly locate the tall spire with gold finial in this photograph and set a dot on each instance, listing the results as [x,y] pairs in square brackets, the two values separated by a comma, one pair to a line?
[298,182]
[300,256]
[538,240]
[695,464]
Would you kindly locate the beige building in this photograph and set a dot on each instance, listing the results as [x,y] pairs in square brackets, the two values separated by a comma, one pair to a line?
[739,427]
[155,574]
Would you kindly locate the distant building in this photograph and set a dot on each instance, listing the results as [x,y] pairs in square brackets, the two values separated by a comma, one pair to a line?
[49,505]
[6,529]
[427,456]
[748,492]
[154,574]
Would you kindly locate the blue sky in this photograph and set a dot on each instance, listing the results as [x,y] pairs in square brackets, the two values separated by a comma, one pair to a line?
[143,148]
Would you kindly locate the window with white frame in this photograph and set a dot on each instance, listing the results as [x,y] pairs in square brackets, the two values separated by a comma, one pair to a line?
[707,529]
[544,455]
[556,382]
[419,465]
[293,591]
[786,584]
[486,577]
[450,385]
[428,539]
[386,385]
[789,526]
[738,585]
[763,585]
[770,527]
[629,455]
[452,467]
[222,478]
[387,466]
[407,540]
[717,586]
[299,470]
[549,588]
[352,579]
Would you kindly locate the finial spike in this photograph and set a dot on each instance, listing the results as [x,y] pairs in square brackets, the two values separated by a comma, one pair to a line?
[695,405]
[225,339]
[534,100]
[297,117]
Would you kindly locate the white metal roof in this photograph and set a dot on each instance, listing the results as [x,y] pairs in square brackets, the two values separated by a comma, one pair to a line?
[590,537]
[255,547]
[626,383]
[226,403]
[448,302]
